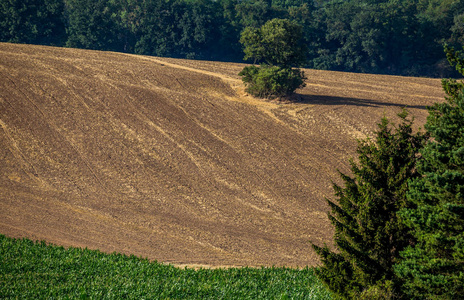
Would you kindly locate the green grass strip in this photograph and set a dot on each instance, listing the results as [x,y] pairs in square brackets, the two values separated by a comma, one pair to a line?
[35,270]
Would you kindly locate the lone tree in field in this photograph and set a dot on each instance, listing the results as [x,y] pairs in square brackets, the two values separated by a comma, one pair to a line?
[278,46]
[433,268]
[368,233]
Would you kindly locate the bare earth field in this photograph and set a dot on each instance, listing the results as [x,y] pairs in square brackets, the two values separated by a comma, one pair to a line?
[170,160]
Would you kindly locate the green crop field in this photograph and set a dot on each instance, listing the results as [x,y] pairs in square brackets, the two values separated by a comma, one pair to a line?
[35,270]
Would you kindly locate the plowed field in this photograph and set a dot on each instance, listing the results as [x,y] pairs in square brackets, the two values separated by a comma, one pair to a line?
[170,160]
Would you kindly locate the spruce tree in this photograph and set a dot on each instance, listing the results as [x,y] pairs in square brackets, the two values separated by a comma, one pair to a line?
[368,234]
[433,268]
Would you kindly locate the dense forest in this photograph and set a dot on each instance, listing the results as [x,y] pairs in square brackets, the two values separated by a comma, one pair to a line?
[403,37]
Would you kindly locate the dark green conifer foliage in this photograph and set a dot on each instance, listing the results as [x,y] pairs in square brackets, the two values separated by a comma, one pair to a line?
[434,267]
[368,234]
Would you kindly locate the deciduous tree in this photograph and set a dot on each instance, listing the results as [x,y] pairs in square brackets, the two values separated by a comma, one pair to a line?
[32,22]
[278,44]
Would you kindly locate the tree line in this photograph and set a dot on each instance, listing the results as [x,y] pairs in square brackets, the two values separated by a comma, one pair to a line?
[402,37]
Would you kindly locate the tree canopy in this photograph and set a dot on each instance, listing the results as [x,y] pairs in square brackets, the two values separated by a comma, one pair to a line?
[32,22]
[390,36]
[278,42]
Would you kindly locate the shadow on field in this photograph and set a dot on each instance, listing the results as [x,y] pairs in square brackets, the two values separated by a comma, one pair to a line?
[331,100]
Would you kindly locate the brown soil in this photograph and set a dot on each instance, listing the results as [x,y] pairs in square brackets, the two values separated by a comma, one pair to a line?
[170,160]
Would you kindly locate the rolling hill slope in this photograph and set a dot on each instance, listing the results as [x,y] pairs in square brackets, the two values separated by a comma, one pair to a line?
[170,160]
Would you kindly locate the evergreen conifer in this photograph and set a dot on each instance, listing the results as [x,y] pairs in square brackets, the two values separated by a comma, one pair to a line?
[368,234]
[433,268]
